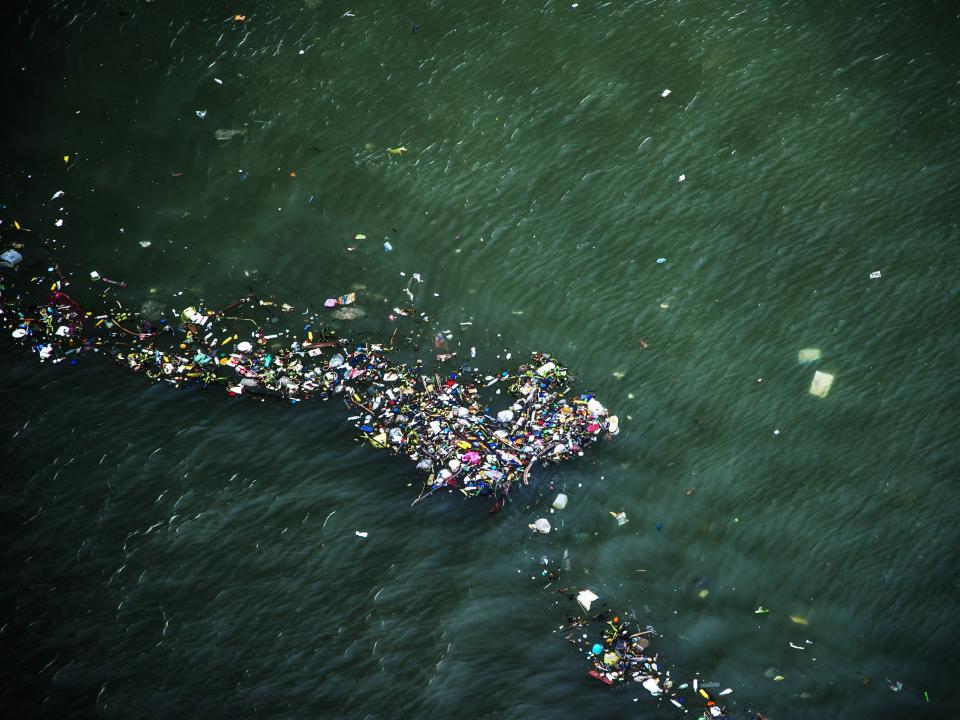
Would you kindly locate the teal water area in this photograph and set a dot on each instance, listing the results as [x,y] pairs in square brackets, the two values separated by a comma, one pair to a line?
[186,554]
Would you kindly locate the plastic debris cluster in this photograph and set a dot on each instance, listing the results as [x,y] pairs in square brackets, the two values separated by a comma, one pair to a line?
[439,420]
[619,654]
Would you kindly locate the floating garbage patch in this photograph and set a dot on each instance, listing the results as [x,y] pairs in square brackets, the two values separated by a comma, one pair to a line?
[439,420]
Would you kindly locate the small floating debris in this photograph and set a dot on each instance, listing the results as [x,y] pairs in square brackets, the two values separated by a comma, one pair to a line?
[541,525]
[586,598]
[821,384]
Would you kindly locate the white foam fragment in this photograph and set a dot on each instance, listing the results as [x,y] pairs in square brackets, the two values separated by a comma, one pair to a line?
[821,384]
[586,597]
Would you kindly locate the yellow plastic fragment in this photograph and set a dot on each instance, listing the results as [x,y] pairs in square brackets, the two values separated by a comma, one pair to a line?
[799,620]
[397,150]
[66,158]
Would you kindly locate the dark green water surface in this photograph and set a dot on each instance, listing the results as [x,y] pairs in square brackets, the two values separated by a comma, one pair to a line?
[184,554]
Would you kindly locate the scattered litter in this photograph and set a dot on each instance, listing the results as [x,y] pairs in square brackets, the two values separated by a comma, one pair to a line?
[362,533]
[620,517]
[821,384]
[875,275]
[541,525]
[347,299]
[618,654]
[560,502]
[808,355]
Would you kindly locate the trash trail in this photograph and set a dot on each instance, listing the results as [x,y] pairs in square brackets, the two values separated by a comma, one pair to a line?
[441,420]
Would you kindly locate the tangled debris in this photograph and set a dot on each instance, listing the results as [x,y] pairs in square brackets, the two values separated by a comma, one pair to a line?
[619,654]
[441,421]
